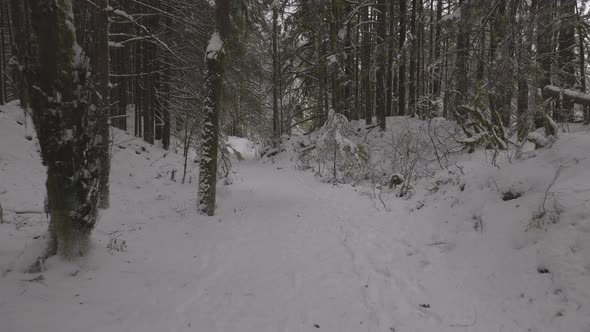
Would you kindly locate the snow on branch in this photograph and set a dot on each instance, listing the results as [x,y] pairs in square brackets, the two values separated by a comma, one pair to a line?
[552,91]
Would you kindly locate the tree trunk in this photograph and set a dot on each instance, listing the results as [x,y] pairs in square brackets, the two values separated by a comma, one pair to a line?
[586,110]
[390,59]
[275,73]
[212,107]
[381,63]
[56,80]
[566,57]
[413,56]
[462,59]
[401,105]
[437,60]
[366,66]
[100,68]
[2,57]
[544,53]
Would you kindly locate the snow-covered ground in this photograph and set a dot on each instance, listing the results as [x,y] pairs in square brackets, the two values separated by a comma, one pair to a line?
[286,252]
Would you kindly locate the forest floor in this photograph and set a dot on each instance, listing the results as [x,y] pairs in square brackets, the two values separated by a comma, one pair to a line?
[286,252]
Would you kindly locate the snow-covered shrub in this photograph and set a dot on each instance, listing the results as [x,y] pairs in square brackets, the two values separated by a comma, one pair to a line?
[413,150]
[336,151]
[480,131]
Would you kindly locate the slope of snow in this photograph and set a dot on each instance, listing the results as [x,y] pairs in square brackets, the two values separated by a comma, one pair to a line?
[286,252]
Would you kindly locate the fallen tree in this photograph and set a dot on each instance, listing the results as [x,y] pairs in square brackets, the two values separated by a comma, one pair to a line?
[554,92]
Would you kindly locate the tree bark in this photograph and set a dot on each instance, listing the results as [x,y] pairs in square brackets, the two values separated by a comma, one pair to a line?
[56,80]
[381,63]
[100,63]
[366,66]
[390,59]
[566,57]
[401,105]
[212,107]
[461,61]
[413,56]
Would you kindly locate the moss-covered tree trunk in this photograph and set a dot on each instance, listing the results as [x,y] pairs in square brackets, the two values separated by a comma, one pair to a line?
[212,107]
[55,74]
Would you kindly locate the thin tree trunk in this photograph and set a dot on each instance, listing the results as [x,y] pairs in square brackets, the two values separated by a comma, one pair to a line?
[401,108]
[381,63]
[275,72]
[461,61]
[413,56]
[390,59]
[566,57]
[100,68]
[366,66]
[582,55]
[544,54]
[2,57]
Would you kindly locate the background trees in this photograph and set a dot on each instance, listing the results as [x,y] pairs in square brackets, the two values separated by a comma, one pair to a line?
[289,62]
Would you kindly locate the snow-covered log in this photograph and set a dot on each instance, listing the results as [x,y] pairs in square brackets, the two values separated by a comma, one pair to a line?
[552,91]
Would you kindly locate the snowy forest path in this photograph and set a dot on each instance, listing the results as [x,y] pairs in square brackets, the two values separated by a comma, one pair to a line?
[297,254]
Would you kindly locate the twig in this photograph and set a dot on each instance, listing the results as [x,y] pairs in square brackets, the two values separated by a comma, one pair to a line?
[38,279]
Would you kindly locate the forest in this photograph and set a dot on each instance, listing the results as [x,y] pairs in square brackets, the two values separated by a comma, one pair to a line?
[344,165]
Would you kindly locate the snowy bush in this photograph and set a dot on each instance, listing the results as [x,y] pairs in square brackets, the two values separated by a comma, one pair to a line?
[480,131]
[336,151]
[413,150]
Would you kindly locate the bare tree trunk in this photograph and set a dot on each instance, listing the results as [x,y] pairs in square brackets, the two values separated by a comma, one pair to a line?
[582,55]
[100,68]
[390,59]
[544,54]
[366,65]
[462,58]
[401,108]
[413,56]
[2,57]
[275,73]
[566,57]
[381,62]
[437,60]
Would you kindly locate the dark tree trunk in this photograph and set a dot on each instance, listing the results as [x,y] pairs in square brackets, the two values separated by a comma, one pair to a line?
[544,53]
[56,81]
[390,59]
[366,66]
[100,68]
[413,56]
[437,41]
[582,55]
[275,73]
[2,56]
[461,61]
[381,63]
[566,57]
[401,105]
[212,107]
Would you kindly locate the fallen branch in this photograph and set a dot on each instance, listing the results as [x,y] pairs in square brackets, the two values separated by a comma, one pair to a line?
[577,97]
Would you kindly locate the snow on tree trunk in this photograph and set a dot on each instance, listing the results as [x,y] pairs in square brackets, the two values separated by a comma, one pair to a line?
[101,100]
[55,74]
[212,108]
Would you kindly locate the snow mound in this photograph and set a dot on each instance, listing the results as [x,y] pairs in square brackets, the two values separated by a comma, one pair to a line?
[243,145]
